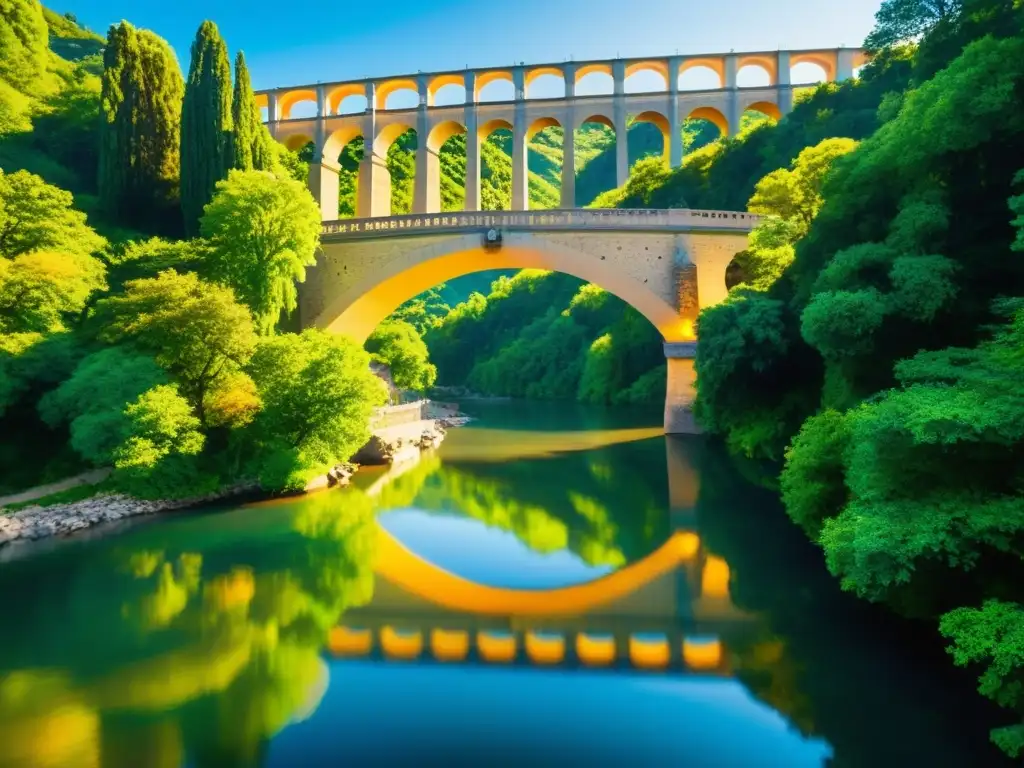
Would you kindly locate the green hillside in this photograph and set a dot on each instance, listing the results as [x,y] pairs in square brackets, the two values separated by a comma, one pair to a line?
[70,40]
[53,131]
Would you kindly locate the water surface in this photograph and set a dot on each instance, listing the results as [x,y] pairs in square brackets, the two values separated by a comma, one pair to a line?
[557,585]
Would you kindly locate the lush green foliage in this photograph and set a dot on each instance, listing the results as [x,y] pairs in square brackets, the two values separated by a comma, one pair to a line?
[37,216]
[993,635]
[206,123]
[194,330]
[140,355]
[317,392]
[40,290]
[263,232]
[71,41]
[399,346]
[902,21]
[92,401]
[24,43]
[250,141]
[578,342]
[879,336]
[140,134]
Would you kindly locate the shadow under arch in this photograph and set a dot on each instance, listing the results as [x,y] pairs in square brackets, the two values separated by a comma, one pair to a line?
[361,308]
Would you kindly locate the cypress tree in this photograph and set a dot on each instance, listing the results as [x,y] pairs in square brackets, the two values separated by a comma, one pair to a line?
[141,98]
[246,117]
[205,124]
[116,125]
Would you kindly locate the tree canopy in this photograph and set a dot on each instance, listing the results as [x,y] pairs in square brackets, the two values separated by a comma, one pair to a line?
[250,140]
[317,392]
[205,123]
[904,21]
[398,345]
[263,232]
[38,216]
[194,330]
[24,43]
[140,137]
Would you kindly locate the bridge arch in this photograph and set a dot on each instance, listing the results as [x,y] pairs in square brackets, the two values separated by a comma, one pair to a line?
[598,118]
[450,80]
[827,65]
[646,77]
[390,88]
[658,120]
[357,310]
[336,96]
[540,124]
[769,108]
[502,76]
[287,102]
[713,116]
[441,132]
[497,124]
[549,81]
[338,140]
[715,65]
[769,65]
[415,574]
[594,80]
[387,135]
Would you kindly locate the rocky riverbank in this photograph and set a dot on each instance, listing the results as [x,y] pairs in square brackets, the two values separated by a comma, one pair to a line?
[37,522]
[392,444]
[388,445]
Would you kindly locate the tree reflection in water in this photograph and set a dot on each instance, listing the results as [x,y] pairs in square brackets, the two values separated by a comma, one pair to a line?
[606,505]
[198,637]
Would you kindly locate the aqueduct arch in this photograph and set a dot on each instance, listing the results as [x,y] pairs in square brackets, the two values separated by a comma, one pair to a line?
[365,304]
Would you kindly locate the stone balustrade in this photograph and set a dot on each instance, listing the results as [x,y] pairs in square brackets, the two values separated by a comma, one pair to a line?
[640,219]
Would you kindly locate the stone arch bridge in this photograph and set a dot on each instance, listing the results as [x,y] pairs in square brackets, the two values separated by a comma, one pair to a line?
[667,264]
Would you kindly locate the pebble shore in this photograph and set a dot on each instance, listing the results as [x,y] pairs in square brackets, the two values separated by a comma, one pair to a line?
[40,522]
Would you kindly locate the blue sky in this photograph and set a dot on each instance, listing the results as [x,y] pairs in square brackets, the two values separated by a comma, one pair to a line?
[289,43]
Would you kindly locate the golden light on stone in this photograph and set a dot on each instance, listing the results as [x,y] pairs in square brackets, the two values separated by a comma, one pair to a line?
[346,641]
[449,644]
[649,653]
[401,645]
[702,655]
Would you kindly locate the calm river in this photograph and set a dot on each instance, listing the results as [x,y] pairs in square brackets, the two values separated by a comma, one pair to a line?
[556,585]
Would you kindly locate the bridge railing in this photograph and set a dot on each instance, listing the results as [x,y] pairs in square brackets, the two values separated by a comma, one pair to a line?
[681,219]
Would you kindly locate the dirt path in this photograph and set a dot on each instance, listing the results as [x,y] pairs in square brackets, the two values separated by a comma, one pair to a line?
[91,477]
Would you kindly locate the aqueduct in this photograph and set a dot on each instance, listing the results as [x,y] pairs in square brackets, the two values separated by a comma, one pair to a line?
[667,264]
[330,130]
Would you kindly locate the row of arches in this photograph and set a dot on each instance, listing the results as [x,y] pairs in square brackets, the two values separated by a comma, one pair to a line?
[438,165]
[540,83]
[443,131]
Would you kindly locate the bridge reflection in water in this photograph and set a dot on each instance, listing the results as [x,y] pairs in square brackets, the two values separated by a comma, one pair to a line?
[667,611]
